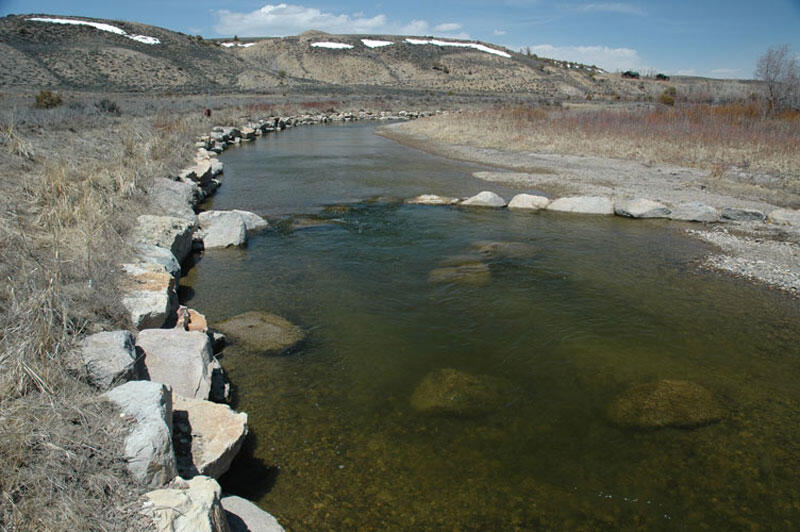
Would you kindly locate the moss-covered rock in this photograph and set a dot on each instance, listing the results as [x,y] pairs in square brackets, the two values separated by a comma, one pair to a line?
[471,272]
[665,403]
[449,391]
[261,331]
[502,249]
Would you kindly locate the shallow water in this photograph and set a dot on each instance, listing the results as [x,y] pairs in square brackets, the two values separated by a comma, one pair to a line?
[593,306]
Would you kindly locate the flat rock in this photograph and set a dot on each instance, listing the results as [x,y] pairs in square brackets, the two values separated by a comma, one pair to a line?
[449,391]
[785,217]
[174,198]
[665,403]
[244,516]
[110,358]
[468,273]
[148,446]
[180,359]
[207,436]
[169,232]
[583,205]
[222,229]
[742,215]
[263,332]
[148,294]
[187,506]
[484,199]
[252,221]
[641,208]
[528,202]
[694,212]
[432,199]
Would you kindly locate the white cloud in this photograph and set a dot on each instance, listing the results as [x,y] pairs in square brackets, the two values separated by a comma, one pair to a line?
[447,27]
[610,59]
[285,19]
[612,7]
[499,33]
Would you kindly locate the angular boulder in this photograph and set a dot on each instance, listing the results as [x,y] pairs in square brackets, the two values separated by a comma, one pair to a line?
[641,208]
[149,253]
[148,294]
[694,212]
[110,358]
[187,506]
[263,332]
[181,359]
[174,198]
[449,391]
[432,199]
[169,232]
[665,403]
[207,436]
[252,221]
[484,199]
[222,229]
[528,202]
[583,205]
[148,446]
[244,516]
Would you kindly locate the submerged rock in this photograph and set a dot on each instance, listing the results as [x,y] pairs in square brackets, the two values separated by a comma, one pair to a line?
[261,331]
[484,199]
[504,249]
[449,391]
[472,272]
[244,516]
[665,403]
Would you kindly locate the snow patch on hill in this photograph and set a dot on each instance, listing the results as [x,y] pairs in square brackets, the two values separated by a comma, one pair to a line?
[370,43]
[473,45]
[332,45]
[100,26]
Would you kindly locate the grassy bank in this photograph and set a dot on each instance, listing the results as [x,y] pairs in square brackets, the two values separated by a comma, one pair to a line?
[716,138]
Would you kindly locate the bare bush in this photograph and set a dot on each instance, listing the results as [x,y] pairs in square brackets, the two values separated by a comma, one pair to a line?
[780,70]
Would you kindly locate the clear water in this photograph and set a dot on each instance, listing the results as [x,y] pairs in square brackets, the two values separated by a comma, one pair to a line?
[599,305]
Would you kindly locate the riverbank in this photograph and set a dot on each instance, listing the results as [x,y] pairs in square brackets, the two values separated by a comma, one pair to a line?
[764,248]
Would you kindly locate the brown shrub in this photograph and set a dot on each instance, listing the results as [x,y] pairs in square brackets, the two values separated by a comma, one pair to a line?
[47,100]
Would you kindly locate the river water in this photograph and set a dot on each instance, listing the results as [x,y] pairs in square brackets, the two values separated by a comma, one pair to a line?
[575,312]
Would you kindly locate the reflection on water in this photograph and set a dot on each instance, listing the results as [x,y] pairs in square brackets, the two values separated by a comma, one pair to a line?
[570,316]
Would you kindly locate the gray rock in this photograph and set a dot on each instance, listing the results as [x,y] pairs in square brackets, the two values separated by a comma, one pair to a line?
[694,212]
[207,436]
[785,217]
[583,205]
[174,234]
[148,294]
[262,331]
[244,516]
[252,221]
[187,506]
[149,253]
[148,446]
[528,202]
[449,391]
[110,358]
[180,359]
[432,199]
[742,215]
[485,199]
[174,198]
[221,229]
[641,208]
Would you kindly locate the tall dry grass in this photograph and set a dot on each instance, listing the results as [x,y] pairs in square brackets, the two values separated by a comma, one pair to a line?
[704,136]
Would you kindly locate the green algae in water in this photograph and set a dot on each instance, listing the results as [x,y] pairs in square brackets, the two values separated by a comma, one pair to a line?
[598,307]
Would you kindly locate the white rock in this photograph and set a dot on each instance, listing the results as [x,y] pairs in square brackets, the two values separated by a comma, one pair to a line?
[148,447]
[110,358]
[484,199]
[583,205]
[212,434]
[187,506]
[433,199]
[785,217]
[252,221]
[244,516]
[180,359]
[528,201]
[221,229]
[174,234]
[694,212]
[641,208]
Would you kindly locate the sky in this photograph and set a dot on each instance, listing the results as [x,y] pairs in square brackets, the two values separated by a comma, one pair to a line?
[714,38]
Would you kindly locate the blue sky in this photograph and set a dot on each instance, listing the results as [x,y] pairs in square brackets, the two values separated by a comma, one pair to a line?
[698,37]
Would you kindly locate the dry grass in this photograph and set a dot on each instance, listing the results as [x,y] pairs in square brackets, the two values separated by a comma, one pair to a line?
[703,136]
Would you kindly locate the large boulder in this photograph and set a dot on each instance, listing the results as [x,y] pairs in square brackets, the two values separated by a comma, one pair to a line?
[181,359]
[244,516]
[252,221]
[110,358]
[528,202]
[432,199]
[222,229]
[152,254]
[148,294]
[468,272]
[169,232]
[694,212]
[148,447]
[785,217]
[261,331]
[583,205]
[665,403]
[484,199]
[641,208]
[449,391]
[739,214]
[174,198]
[187,506]
[207,436]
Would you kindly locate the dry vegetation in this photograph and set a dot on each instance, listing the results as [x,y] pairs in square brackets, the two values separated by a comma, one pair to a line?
[716,138]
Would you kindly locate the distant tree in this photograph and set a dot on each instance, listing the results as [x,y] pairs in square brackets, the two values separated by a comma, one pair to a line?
[778,68]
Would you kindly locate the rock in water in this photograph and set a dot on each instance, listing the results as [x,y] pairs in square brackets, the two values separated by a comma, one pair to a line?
[473,273]
[583,205]
[641,208]
[222,229]
[529,202]
[187,505]
[484,199]
[244,516]
[432,199]
[449,391]
[666,403]
[261,331]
